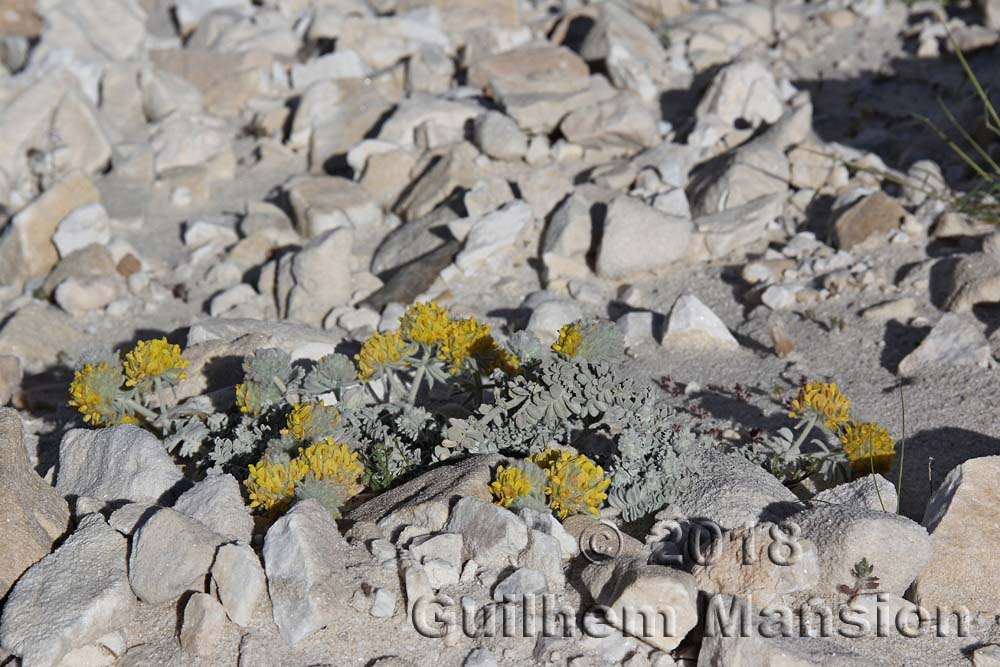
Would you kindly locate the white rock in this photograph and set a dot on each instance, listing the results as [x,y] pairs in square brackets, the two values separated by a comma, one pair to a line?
[499,137]
[862,493]
[548,524]
[544,555]
[416,584]
[84,225]
[303,570]
[491,534]
[216,501]
[230,298]
[442,546]
[186,140]
[741,91]
[549,316]
[239,580]
[190,12]
[639,238]
[383,603]
[71,598]
[480,657]
[341,64]
[122,462]
[779,297]
[79,295]
[520,583]
[692,322]
[955,340]
[201,629]
[171,553]
[322,276]
[491,234]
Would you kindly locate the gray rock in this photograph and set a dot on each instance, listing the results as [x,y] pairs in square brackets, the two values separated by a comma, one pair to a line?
[499,137]
[426,500]
[692,323]
[201,629]
[862,493]
[83,226]
[239,581]
[33,515]
[569,231]
[655,604]
[216,501]
[383,603]
[546,523]
[321,272]
[520,583]
[962,537]
[321,204]
[171,553]
[549,316]
[36,333]
[873,216]
[636,327]
[752,561]
[536,85]
[480,657]
[455,170]
[898,548]
[976,279]
[424,110]
[304,574]
[118,463]
[442,546]
[640,238]
[622,122]
[741,176]
[544,555]
[955,340]
[416,584]
[491,535]
[494,233]
[70,598]
[81,295]
[742,91]
[11,375]
[735,228]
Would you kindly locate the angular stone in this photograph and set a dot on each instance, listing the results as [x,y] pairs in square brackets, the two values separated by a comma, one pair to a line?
[499,137]
[187,140]
[544,555]
[656,604]
[426,500]
[742,91]
[639,238]
[692,323]
[171,553]
[875,215]
[520,583]
[456,170]
[70,598]
[962,535]
[216,501]
[239,580]
[621,122]
[78,296]
[322,277]
[494,233]
[862,493]
[537,85]
[324,203]
[26,247]
[976,280]
[955,340]
[734,228]
[745,562]
[304,574]
[491,535]
[34,515]
[739,177]
[36,333]
[118,463]
[86,145]
[898,548]
[201,629]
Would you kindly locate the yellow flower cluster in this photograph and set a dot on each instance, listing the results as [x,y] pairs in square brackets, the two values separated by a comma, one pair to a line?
[243,400]
[308,421]
[867,445]
[458,340]
[154,359]
[509,485]
[824,401]
[380,352]
[864,443]
[272,483]
[575,483]
[92,393]
[328,460]
[569,339]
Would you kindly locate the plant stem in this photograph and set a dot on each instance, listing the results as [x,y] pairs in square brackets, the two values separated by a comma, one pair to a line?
[142,410]
[797,445]
[415,387]
[902,451]
[871,459]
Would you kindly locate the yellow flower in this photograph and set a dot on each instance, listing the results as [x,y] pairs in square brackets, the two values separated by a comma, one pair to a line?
[243,399]
[426,323]
[380,352]
[92,393]
[576,484]
[154,359]
[569,339]
[506,361]
[467,339]
[824,401]
[128,419]
[510,485]
[866,444]
[310,421]
[328,460]
[272,483]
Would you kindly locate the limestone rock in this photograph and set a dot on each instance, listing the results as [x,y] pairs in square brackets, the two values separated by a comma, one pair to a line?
[201,629]
[171,553]
[692,322]
[239,581]
[976,279]
[962,536]
[70,598]
[321,272]
[639,238]
[34,515]
[862,493]
[954,341]
[877,214]
[493,233]
[121,462]
[216,501]
[620,122]
[305,578]
[83,226]
[491,535]
[499,137]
